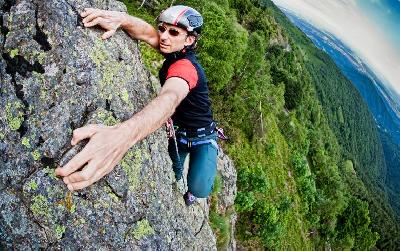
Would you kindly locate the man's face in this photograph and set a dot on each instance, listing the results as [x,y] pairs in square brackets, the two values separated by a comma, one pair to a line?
[173,38]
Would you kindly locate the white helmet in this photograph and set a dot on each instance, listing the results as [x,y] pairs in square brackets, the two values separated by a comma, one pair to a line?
[184,17]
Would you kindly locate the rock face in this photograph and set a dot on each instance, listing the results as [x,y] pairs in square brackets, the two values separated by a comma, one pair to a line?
[57,76]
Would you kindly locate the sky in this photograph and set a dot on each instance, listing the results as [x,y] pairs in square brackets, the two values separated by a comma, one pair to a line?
[371,28]
[387,14]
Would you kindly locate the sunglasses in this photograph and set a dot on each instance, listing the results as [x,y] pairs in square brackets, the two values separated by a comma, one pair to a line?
[173,32]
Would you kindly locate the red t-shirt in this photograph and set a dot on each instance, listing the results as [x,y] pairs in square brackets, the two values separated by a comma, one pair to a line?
[185,70]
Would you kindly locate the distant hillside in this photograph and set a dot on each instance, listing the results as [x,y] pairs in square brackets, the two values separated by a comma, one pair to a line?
[353,124]
[377,97]
[392,154]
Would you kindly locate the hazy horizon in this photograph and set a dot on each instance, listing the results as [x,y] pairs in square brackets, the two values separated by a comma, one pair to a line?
[361,25]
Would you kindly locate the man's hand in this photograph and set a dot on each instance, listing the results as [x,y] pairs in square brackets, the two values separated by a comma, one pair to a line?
[108,144]
[105,149]
[108,20]
[112,20]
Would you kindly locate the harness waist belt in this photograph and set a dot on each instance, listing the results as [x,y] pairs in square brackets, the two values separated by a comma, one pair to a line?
[200,142]
[198,132]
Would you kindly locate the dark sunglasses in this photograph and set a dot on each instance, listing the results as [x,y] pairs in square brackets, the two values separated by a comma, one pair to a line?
[171,31]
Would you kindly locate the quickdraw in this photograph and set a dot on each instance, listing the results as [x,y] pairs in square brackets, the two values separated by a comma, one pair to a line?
[171,134]
[221,134]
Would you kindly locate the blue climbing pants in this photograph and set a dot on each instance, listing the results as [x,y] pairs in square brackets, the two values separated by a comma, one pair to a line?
[202,153]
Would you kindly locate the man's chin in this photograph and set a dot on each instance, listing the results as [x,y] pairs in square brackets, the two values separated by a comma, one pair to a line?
[164,50]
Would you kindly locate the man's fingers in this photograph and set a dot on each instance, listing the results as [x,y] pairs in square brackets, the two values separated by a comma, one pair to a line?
[74,164]
[82,184]
[101,170]
[85,175]
[78,185]
[87,12]
[108,34]
[91,16]
[94,22]
[83,133]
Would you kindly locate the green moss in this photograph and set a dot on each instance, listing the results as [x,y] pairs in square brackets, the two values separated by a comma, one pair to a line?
[1,136]
[36,155]
[142,229]
[50,172]
[109,72]
[40,57]
[14,115]
[25,142]
[113,196]
[14,53]
[43,95]
[73,209]
[32,185]
[59,230]
[10,18]
[99,54]
[40,206]
[66,33]
[131,164]
[125,96]
[106,118]
[108,68]
[112,78]
[111,193]
[31,108]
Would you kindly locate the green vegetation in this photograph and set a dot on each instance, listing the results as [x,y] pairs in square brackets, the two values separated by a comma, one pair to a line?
[35,155]
[392,157]
[14,115]
[25,142]
[40,206]
[131,164]
[59,231]
[14,53]
[142,229]
[32,185]
[356,132]
[219,221]
[303,142]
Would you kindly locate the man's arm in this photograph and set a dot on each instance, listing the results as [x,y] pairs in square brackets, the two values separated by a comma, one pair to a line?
[112,20]
[107,145]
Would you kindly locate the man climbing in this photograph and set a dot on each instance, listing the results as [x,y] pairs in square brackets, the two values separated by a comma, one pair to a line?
[184,96]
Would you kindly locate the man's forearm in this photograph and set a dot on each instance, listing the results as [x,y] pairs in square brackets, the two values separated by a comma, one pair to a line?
[140,29]
[151,117]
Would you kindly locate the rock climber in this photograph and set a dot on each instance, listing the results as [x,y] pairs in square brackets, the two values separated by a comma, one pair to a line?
[183,97]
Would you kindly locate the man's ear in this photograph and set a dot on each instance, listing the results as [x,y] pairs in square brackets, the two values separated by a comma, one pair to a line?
[190,40]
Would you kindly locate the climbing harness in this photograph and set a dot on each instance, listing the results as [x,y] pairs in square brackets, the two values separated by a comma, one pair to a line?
[196,143]
[198,132]
[191,133]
